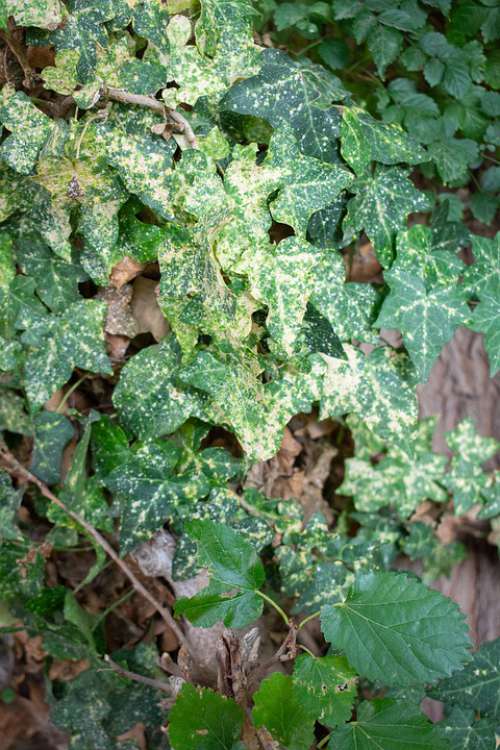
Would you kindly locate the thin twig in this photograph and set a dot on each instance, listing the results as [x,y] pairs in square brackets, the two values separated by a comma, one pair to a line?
[14,467]
[139,100]
[158,684]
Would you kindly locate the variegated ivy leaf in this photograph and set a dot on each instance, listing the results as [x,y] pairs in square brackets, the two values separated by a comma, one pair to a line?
[44,14]
[30,130]
[62,77]
[484,273]
[142,160]
[380,207]
[365,140]
[299,94]
[284,281]
[85,32]
[309,184]
[256,412]
[348,306]
[198,74]
[427,319]
[52,433]
[406,476]
[372,388]
[10,500]
[151,489]
[466,479]
[56,281]
[146,398]
[328,687]
[486,320]
[59,343]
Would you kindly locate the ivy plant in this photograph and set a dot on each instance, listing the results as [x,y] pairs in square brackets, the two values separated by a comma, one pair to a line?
[169,145]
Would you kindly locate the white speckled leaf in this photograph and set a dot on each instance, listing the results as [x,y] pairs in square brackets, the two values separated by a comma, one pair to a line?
[30,130]
[381,206]
[146,398]
[372,388]
[59,343]
[364,140]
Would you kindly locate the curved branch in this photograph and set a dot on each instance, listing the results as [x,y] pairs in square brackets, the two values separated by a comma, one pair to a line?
[13,466]
[140,100]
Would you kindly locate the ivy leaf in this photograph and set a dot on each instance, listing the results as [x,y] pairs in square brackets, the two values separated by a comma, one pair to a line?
[59,343]
[30,130]
[80,492]
[56,281]
[10,500]
[284,281]
[477,686]
[84,31]
[380,207]
[278,706]
[13,416]
[404,478]
[365,139]
[110,446]
[388,724]
[484,274]
[44,14]
[462,729]
[151,490]
[233,564]
[52,433]
[297,94]
[146,397]
[486,320]
[371,387]
[395,630]
[202,719]
[327,685]
[465,478]
[143,161]
[309,184]
[426,318]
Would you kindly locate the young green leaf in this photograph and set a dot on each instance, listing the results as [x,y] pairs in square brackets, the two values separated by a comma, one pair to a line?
[278,706]
[395,630]
[201,719]
[328,687]
[52,434]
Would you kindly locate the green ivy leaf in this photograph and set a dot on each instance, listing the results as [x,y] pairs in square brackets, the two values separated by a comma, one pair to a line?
[486,320]
[59,343]
[297,94]
[477,686]
[396,725]
[10,500]
[365,139]
[146,397]
[371,387]
[380,207]
[204,720]
[396,630]
[52,433]
[462,729]
[278,707]
[327,685]
[44,14]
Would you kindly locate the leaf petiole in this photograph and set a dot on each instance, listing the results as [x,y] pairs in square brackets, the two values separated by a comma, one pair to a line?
[308,619]
[276,606]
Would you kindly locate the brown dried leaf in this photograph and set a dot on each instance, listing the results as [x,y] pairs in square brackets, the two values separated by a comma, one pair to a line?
[126,270]
[145,309]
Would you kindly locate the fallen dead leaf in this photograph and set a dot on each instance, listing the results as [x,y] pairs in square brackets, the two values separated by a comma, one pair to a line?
[126,270]
[145,309]
[66,670]
[137,735]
